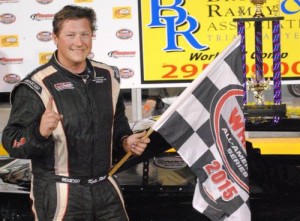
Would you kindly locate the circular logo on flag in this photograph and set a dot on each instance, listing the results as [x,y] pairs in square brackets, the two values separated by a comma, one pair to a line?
[228,130]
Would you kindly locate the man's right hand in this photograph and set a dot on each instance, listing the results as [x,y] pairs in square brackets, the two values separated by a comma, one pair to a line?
[50,120]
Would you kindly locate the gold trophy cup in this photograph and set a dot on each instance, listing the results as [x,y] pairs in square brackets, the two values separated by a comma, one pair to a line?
[258,86]
[258,5]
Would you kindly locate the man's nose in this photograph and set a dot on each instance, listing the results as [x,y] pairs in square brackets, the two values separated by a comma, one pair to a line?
[78,40]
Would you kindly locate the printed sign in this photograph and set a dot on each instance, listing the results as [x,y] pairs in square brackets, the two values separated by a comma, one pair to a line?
[180,38]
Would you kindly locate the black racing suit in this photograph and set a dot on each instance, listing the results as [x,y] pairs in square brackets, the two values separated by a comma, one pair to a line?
[70,167]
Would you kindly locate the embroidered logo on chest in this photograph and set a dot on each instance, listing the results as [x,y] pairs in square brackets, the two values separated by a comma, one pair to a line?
[99,79]
[63,86]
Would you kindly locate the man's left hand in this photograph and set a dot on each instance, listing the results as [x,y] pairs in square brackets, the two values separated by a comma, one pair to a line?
[136,143]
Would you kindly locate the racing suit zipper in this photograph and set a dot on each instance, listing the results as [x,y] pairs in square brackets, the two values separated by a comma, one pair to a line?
[87,82]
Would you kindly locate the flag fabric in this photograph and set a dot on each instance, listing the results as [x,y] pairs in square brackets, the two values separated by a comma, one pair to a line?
[206,127]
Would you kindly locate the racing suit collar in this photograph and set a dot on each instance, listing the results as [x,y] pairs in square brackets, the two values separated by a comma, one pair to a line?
[55,62]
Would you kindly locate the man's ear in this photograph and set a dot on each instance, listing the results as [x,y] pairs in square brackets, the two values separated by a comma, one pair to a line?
[54,37]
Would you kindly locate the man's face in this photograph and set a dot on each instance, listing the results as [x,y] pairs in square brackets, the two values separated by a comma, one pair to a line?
[74,43]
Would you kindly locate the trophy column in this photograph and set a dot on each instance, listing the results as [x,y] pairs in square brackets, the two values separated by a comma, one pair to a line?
[276,61]
[258,83]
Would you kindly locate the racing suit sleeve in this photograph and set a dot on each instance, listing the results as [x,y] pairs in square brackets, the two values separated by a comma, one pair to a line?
[21,137]
[121,127]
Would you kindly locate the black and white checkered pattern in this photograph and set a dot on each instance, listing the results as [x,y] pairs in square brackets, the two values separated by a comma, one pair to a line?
[189,125]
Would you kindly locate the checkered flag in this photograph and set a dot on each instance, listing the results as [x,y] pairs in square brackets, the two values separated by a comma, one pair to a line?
[206,127]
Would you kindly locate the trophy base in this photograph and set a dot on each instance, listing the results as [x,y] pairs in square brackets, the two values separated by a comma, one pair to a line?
[265,110]
[258,16]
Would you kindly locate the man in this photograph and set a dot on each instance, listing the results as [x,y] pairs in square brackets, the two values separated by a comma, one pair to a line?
[68,117]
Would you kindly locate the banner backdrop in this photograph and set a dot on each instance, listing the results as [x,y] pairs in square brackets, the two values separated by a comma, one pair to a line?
[154,43]
[180,38]
[26,41]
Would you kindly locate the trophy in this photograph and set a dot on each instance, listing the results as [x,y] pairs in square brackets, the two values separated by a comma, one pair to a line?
[261,111]
[258,85]
[258,5]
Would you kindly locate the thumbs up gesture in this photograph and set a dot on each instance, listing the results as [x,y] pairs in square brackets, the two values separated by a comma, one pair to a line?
[49,120]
